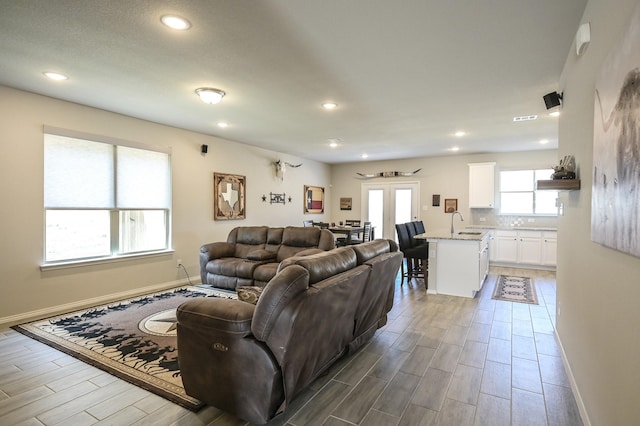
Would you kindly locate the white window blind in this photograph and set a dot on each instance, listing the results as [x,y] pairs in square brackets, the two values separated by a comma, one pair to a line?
[103,197]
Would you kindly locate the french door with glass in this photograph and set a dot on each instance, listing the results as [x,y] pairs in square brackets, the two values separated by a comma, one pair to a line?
[385,204]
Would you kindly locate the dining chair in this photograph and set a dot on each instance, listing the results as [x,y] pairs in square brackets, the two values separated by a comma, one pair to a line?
[416,258]
[366,235]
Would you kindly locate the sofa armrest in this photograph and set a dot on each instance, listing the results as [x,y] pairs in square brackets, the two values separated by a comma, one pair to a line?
[216,315]
[217,250]
[212,251]
[276,296]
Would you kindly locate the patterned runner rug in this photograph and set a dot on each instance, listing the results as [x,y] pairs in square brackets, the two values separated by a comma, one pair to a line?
[133,339]
[515,289]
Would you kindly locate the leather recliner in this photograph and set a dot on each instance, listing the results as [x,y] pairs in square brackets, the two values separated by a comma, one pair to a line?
[253,360]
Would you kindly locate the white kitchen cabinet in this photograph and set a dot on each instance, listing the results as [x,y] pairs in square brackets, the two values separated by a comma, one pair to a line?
[549,248]
[524,247]
[529,247]
[506,246]
[481,185]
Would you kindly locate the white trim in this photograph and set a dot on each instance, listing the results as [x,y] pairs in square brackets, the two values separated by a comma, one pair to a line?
[574,386]
[51,266]
[87,303]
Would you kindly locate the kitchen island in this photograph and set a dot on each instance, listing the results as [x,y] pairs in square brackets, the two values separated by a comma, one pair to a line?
[458,261]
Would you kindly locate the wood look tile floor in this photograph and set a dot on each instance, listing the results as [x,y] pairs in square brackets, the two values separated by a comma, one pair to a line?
[440,360]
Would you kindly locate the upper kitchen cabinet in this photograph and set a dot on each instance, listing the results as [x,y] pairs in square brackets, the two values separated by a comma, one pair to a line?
[482,185]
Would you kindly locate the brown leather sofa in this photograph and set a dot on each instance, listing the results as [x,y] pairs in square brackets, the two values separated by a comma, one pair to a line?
[253,360]
[251,254]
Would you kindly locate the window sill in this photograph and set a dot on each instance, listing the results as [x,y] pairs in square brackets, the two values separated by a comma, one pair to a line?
[51,266]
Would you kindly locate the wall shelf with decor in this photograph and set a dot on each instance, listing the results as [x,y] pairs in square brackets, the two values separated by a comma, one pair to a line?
[558,184]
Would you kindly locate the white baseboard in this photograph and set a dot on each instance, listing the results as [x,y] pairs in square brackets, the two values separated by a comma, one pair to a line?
[6,322]
[574,387]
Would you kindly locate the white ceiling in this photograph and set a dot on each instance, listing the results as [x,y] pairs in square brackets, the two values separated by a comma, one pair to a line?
[405,74]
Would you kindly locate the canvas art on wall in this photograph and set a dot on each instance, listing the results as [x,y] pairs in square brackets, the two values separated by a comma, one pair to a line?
[615,202]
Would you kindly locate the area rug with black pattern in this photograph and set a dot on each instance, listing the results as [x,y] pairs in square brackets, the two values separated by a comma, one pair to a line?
[515,289]
[133,339]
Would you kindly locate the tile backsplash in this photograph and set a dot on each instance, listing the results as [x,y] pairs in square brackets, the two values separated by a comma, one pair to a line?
[489,217]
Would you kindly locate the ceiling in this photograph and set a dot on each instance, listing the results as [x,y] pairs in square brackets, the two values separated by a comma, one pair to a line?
[405,75]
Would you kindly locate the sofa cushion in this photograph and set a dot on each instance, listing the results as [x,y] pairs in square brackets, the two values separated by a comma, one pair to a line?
[261,254]
[264,273]
[233,267]
[324,265]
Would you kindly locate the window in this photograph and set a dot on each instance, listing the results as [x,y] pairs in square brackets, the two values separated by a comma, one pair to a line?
[103,198]
[518,194]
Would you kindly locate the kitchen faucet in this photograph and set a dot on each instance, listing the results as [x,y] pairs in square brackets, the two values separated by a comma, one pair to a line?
[461,220]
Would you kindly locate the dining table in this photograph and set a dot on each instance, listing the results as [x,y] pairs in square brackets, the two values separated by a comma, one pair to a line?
[347,230]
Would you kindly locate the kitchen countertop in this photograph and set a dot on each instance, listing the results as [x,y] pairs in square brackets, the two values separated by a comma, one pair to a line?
[445,234]
[513,228]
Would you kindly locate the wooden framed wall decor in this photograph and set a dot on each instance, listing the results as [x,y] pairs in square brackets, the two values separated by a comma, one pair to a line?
[229,196]
[345,203]
[450,205]
[313,199]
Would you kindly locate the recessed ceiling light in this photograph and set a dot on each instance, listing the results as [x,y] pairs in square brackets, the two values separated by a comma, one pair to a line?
[209,95]
[334,142]
[544,141]
[554,113]
[329,105]
[459,134]
[454,149]
[56,76]
[175,22]
[223,125]
[365,156]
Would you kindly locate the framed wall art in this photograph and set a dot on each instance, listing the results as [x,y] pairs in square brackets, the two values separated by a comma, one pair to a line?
[345,203]
[313,199]
[229,196]
[450,205]
[615,199]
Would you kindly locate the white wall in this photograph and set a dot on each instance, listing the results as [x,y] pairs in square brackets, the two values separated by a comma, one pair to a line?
[25,290]
[598,291]
[447,176]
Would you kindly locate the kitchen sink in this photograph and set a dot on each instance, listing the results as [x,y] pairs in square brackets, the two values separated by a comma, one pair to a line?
[469,233]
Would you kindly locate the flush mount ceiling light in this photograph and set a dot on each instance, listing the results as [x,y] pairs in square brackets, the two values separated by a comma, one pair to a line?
[209,95]
[329,105]
[55,76]
[175,22]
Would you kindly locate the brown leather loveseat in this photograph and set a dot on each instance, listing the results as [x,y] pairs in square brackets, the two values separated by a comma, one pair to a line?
[253,360]
[251,254]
